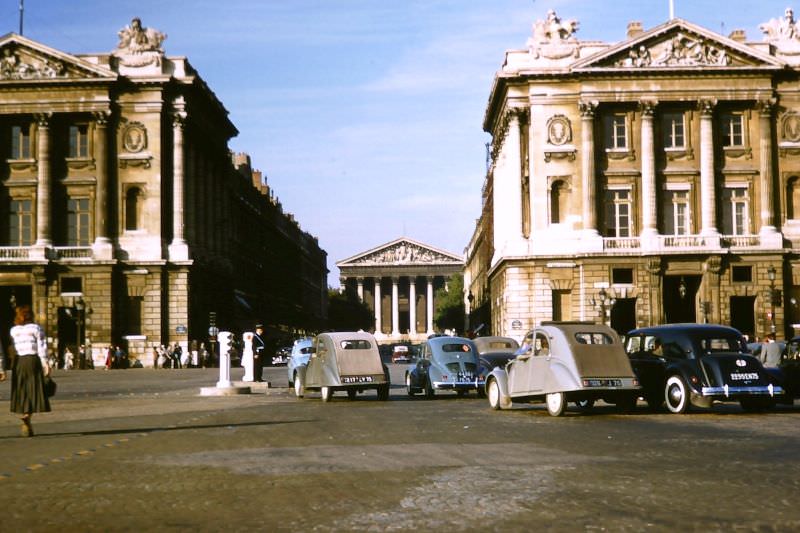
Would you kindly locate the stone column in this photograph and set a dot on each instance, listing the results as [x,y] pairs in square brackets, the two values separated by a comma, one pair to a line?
[708,218]
[101,249]
[412,304]
[649,233]
[43,237]
[429,306]
[395,305]
[587,110]
[765,155]
[378,317]
[178,249]
[360,288]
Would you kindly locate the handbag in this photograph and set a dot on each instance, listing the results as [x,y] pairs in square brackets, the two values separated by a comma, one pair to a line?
[49,387]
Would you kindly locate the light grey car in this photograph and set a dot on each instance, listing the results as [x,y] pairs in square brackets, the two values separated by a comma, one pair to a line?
[301,352]
[343,361]
[562,362]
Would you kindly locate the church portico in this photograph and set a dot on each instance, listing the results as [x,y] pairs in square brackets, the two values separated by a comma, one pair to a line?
[398,281]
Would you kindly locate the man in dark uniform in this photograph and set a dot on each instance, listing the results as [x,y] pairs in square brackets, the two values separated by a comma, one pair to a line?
[259,352]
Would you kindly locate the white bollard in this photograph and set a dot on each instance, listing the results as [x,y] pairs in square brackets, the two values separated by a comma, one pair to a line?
[247,356]
[225,359]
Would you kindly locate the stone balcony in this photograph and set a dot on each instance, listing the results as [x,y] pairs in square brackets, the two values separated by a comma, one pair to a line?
[685,243]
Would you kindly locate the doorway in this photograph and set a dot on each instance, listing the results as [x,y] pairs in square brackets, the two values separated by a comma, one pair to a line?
[623,315]
[743,314]
[679,294]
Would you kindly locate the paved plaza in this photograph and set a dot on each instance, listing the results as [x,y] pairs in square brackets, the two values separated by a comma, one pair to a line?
[141,450]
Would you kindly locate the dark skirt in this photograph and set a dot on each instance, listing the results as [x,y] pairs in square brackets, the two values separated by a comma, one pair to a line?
[27,386]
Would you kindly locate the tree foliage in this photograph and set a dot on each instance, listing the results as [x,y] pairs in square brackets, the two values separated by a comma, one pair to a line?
[449,313]
[347,313]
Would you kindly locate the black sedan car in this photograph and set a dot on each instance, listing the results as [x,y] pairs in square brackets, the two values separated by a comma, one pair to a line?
[697,364]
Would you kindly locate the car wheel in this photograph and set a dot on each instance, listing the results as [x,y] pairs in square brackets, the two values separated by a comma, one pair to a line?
[493,394]
[327,394]
[429,392]
[299,390]
[351,394]
[676,395]
[585,405]
[409,389]
[383,392]
[556,403]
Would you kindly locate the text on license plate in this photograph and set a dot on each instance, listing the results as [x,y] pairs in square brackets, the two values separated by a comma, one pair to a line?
[356,379]
[603,382]
[743,376]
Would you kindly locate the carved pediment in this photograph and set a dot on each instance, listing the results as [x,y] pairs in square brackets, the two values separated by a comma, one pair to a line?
[678,45]
[402,252]
[23,59]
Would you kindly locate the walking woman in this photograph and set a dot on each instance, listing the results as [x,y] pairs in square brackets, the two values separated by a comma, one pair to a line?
[29,369]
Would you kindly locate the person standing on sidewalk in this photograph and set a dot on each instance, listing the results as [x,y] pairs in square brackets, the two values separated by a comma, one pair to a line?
[259,353]
[29,369]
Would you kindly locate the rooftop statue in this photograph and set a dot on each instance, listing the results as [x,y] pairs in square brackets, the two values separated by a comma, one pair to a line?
[781,29]
[139,46]
[553,37]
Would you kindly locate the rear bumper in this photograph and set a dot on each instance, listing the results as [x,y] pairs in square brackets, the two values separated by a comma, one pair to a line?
[737,392]
[462,385]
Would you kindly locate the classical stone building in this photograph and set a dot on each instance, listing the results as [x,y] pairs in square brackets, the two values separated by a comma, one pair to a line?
[399,279]
[648,181]
[124,218]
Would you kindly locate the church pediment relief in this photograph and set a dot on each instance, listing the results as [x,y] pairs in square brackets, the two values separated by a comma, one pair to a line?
[403,252]
[677,45]
[21,59]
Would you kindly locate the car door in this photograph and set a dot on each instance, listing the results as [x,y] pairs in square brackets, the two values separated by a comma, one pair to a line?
[519,368]
[419,374]
[539,365]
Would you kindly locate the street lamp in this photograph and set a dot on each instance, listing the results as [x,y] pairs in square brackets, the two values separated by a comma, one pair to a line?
[705,307]
[771,276]
[682,288]
[604,303]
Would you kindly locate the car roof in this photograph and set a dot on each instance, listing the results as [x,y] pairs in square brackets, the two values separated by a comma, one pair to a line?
[337,336]
[447,339]
[691,328]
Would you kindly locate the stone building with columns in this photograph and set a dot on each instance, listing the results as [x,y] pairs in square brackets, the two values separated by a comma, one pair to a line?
[649,181]
[398,281]
[124,218]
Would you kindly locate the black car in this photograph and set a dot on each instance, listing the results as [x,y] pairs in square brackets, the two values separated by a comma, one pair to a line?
[697,364]
[492,360]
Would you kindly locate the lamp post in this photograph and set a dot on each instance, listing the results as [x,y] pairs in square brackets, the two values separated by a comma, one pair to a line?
[604,303]
[705,307]
[470,299]
[771,276]
[80,307]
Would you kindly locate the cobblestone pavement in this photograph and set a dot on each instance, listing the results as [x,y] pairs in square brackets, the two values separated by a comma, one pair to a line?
[139,450]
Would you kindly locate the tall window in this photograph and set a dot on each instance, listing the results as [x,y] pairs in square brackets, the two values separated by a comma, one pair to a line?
[20,223]
[674,130]
[616,130]
[677,212]
[78,220]
[619,206]
[735,211]
[20,142]
[793,198]
[79,141]
[733,129]
[132,207]
[558,202]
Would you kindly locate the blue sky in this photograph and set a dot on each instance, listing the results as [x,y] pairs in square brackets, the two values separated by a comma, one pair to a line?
[365,115]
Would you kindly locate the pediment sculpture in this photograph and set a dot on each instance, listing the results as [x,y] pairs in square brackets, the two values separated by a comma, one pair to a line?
[17,66]
[139,46]
[680,50]
[553,37]
[402,253]
[781,29]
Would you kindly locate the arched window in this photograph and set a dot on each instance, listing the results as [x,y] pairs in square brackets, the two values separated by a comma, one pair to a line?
[793,198]
[133,206]
[558,202]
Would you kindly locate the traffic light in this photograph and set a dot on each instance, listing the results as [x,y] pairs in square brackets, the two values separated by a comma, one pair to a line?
[225,340]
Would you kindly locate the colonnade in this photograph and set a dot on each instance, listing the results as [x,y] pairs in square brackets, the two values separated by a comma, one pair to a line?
[395,299]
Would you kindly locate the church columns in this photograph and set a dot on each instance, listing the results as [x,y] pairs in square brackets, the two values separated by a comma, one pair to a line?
[765,155]
[378,321]
[412,305]
[587,110]
[395,305]
[429,304]
[360,288]
[178,249]
[649,232]
[102,248]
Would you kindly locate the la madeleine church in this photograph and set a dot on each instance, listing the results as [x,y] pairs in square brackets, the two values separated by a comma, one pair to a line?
[655,180]
[124,217]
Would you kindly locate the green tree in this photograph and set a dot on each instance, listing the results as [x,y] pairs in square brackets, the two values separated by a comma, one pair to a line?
[347,313]
[449,313]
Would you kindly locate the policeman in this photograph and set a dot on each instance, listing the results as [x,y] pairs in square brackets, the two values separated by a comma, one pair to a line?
[259,352]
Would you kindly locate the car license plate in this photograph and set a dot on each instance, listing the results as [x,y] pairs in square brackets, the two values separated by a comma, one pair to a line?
[605,383]
[743,376]
[357,379]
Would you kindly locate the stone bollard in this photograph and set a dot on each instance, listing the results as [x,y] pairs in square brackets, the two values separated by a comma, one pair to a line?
[247,356]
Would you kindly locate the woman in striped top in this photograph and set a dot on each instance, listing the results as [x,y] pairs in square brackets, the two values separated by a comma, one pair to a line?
[30,369]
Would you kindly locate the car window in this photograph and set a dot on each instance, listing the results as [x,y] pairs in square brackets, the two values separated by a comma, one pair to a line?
[593,338]
[500,344]
[321,350]
[456,347]
[541,344]
[633,344]
[357,344]
[710,345]
[673,350]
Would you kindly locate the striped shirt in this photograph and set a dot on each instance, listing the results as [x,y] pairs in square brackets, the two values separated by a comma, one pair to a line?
[29,339]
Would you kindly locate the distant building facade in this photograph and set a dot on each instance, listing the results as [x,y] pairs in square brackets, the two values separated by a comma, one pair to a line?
[398,281]
[124,217]
[649,181]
